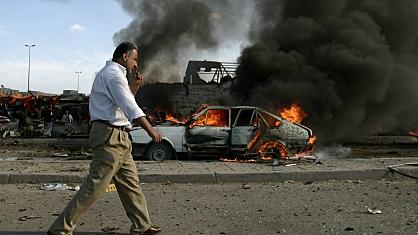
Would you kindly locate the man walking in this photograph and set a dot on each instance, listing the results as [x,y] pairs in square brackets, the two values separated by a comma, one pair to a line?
[112,109]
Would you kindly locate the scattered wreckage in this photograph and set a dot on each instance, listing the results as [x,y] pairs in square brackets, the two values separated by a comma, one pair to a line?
[27,115]
[244,131]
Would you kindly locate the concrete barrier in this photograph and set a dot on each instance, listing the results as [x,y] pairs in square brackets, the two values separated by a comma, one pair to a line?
[222,177]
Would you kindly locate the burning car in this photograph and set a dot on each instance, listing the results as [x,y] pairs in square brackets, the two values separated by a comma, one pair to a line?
[221,130]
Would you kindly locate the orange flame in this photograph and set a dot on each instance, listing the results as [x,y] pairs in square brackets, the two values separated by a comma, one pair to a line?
[217,118]
[170,117]
[312,140]
[271,149]
[253,140]
[294,113]
[213,118]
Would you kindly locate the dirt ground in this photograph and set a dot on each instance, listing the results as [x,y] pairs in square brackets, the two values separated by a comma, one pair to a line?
[272,208]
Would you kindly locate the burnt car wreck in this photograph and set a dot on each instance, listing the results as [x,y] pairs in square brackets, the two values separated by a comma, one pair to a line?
[245,131]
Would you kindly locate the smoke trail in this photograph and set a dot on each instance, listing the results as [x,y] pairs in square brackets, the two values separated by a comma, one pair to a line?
[171,32]
[351,64]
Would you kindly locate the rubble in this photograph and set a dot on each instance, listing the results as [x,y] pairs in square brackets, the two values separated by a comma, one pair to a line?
[58,187]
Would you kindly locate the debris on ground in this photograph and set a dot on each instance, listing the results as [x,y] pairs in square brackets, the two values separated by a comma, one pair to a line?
[111,188]
[24,218]
[245,186]
[276,162]
[374,211]
[293,164]
[58,187]
[394,168]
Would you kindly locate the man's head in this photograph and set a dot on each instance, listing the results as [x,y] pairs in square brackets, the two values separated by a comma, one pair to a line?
[126,54]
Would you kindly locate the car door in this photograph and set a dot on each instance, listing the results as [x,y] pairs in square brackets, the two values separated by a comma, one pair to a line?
[211,128]
[243,129]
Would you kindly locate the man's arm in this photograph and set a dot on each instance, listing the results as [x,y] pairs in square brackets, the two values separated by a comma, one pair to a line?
[152,132]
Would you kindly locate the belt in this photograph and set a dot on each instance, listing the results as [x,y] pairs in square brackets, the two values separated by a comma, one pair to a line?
[122,128]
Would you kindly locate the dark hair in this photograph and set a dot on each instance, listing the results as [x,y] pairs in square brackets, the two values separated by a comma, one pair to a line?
[123,48]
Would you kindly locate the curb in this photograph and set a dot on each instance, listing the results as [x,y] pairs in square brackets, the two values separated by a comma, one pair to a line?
[43,178]
[205,178]
[216,178]
[4,179]
[305,176]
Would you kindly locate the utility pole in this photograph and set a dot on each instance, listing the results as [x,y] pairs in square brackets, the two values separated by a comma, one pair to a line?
[78,79]
[29,46]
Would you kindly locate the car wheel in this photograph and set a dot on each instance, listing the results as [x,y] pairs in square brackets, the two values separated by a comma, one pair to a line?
[136,151]
[159,152]
[272,150]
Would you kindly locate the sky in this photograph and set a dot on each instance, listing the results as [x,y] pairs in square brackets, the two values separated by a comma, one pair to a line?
[69,36]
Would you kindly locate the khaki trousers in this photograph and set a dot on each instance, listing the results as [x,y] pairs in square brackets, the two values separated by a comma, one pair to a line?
[112,160]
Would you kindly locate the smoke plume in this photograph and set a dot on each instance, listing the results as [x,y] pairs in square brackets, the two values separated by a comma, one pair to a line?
[351,64]
[169,33]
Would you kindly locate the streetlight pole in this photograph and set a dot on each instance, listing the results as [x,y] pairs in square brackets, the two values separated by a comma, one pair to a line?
[29,46]
[78,79]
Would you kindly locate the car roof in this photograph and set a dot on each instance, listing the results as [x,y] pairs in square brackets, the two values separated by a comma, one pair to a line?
[231,107]
[239,107]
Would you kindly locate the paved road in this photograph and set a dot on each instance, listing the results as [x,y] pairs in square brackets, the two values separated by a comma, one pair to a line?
[224,197]
[329,207]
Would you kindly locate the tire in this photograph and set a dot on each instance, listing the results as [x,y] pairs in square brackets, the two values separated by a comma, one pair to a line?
[159,152]
[274,150]
[137,151]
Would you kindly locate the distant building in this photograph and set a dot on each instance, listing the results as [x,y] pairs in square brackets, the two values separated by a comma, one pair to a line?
[72,95]
[8,91]
[36,93]
[182,99]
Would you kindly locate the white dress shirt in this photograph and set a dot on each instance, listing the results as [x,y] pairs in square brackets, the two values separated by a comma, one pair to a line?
[111,99]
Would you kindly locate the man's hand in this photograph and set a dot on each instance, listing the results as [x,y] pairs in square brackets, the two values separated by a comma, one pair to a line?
[155,135]
[152,132]
[137,80]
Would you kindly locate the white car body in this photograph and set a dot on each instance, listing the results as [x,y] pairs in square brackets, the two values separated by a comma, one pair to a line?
[245,130]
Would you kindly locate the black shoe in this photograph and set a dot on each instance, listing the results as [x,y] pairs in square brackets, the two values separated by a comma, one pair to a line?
[49,233]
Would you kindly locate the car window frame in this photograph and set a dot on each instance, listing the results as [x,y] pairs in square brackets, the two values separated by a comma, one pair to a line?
[206,112]
[239,114]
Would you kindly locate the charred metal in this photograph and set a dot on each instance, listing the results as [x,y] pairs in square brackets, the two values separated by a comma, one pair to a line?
[236,130]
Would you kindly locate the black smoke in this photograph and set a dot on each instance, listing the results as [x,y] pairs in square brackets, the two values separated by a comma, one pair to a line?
[171,32]
[351,64]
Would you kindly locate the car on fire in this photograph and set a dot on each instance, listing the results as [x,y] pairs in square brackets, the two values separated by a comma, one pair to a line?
[226,131]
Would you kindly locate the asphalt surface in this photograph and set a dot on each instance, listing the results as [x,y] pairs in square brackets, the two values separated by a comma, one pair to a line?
[362,189]
[326,207]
